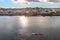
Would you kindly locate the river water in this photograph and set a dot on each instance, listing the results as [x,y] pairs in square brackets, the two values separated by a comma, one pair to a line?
[22,27]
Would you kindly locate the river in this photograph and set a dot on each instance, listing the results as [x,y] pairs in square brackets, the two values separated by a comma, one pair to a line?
[22,27]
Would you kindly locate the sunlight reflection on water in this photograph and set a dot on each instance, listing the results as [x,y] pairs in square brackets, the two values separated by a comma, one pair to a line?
[23,21]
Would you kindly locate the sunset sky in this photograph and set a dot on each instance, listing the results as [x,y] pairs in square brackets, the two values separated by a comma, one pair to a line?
[29,3]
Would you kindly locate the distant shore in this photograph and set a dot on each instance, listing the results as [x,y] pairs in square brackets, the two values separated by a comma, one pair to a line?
[30,11]
[51,14]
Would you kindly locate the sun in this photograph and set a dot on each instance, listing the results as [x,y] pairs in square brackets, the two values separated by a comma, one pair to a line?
[19,1]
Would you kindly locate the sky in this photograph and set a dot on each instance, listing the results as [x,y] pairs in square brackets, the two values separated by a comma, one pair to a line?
[29,3]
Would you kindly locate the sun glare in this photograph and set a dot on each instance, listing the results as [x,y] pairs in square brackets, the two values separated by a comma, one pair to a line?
[23,21]
[22,1]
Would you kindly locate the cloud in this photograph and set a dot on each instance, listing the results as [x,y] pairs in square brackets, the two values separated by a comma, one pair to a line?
[54,0]
[43,0]
[27,1]
[19,1]
[50,2]
[46,1]
[32,0]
